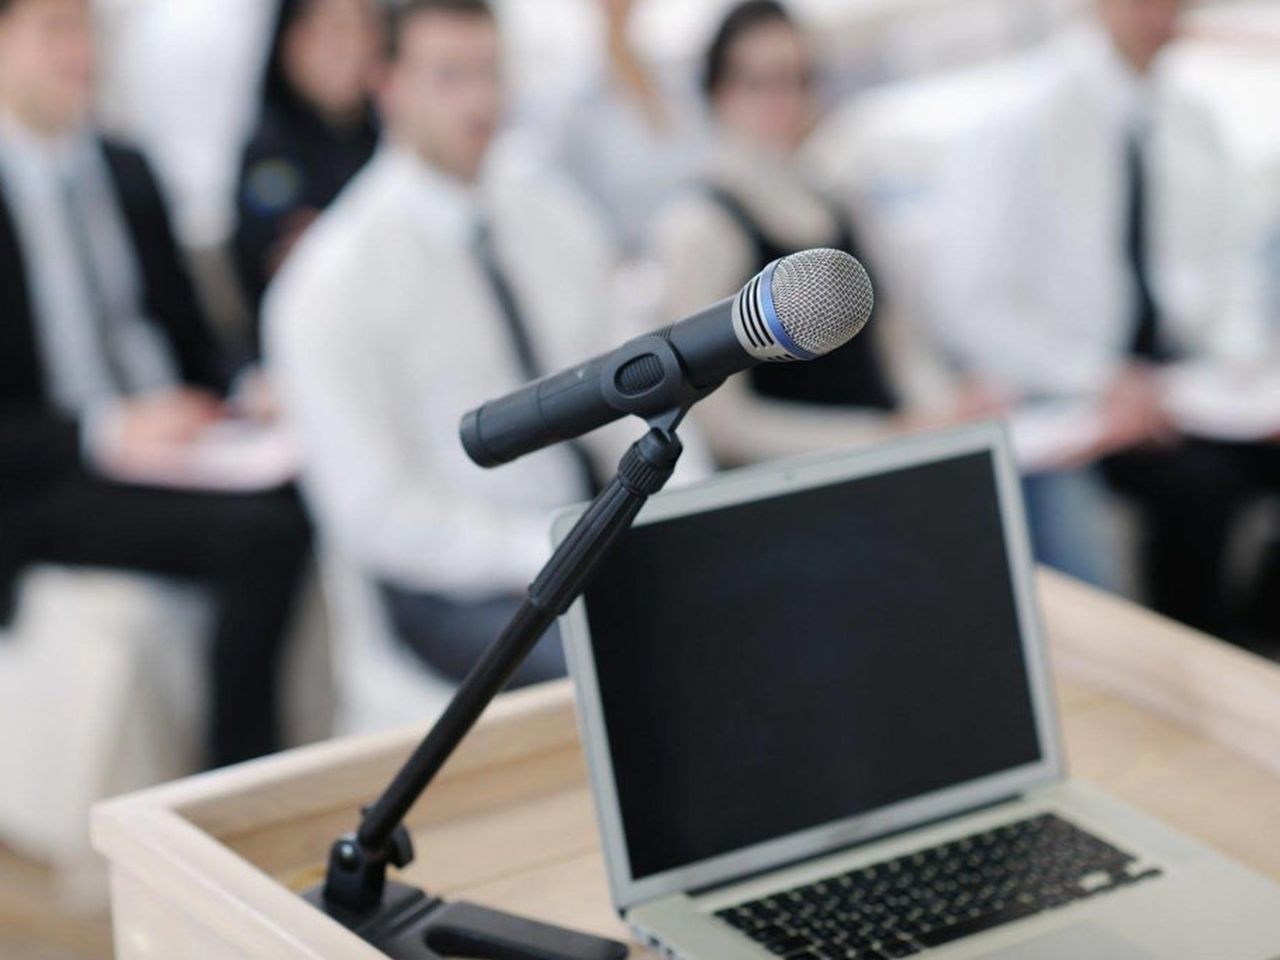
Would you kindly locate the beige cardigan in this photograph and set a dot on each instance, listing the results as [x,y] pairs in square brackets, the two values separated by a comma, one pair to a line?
[706,257]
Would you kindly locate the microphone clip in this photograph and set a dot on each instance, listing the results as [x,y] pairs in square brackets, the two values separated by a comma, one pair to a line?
[646,378]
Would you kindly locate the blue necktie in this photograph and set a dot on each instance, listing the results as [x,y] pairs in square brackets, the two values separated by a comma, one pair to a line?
[100,313]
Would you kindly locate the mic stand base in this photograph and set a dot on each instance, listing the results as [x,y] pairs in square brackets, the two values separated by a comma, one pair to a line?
[409,925]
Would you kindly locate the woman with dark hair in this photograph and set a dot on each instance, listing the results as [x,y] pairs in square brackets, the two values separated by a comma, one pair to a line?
[758,202]
[316,129]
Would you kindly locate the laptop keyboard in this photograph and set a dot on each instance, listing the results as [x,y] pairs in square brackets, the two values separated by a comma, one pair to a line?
[905,906]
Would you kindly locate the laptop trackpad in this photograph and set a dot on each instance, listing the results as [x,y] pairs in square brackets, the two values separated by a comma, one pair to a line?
[1074,943]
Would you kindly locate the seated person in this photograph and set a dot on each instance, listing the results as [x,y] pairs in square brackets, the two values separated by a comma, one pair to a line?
[316,129]
[1091,239]
[439,280]
[104,355]
[759,203]
[627,140]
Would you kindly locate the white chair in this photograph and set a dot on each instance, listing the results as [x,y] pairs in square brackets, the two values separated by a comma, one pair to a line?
[98,695]
[382,685]
[101,693]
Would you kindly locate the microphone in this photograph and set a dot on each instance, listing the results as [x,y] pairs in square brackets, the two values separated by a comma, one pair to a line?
[801,307]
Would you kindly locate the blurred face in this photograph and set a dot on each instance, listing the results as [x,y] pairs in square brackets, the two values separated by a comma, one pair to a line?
[443,96]
[767,96]
[1141,29]
[331,53]
[47,63]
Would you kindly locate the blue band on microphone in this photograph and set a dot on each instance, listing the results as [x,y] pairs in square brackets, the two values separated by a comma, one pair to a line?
[771,316]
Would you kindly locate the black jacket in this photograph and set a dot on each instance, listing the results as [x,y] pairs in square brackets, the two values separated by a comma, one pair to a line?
[295,164]
[38,444]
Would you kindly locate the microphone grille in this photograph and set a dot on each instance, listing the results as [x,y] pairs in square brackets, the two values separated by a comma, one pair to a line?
[823,298]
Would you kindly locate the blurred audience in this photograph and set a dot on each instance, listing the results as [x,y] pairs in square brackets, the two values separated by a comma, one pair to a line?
[628,140]
[439,280]
[182,81]
[104,357]
[1093,239]
[759,203]
[406,270]
[317,128]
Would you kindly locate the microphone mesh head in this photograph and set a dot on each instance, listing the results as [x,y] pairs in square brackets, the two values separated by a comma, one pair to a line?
[823,298]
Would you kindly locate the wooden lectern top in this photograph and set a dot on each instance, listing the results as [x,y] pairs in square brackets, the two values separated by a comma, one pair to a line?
[1177,724]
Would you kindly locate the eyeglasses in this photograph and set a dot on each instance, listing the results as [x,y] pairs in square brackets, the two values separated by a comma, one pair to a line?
[776,82]
[451,78]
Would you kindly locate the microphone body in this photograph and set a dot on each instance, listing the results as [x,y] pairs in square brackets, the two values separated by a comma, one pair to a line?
[797,308]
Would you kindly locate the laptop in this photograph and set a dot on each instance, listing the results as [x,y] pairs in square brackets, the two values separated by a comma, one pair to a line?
[819,723]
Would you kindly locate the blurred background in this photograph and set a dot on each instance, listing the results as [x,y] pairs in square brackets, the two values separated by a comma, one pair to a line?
[1071,210]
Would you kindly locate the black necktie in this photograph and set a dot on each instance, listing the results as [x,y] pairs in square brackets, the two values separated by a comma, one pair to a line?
[1147,341]
[518,330]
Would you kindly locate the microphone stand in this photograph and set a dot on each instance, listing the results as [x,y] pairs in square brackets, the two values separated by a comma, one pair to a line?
[404,922]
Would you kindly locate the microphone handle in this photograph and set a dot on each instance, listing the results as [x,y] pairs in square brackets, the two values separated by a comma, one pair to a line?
[647,377]
[556,408]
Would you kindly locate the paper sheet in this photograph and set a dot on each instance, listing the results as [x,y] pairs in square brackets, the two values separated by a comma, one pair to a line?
[1203,400]
[1220,403]
[230,457]
[1055,435]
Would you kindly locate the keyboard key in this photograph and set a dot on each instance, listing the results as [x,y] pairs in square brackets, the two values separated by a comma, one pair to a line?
[972,926]
[787,945]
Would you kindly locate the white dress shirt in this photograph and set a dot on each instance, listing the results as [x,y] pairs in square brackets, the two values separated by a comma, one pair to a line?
[1033,287]
[36,172]
[706,256]
[382,330]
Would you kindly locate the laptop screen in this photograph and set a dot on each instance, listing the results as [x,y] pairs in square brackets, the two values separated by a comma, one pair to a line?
[780,664]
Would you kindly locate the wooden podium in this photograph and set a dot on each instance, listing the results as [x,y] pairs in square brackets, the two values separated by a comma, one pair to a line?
[1173,722]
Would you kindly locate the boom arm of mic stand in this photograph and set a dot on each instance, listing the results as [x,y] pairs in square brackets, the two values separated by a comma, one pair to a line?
[404,922]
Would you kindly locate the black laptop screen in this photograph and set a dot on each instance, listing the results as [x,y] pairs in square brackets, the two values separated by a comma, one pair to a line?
[781,664]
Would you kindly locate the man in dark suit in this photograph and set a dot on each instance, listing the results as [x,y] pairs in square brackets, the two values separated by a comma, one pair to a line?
[105,355]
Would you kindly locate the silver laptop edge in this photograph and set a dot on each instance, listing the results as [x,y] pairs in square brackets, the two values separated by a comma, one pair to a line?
[772,480]
[1204,907]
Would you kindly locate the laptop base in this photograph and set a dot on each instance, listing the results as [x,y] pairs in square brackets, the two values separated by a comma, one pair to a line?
[1199,905]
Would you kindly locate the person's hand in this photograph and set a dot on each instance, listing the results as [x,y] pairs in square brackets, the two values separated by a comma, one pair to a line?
[977,400]
[167,419]
[137,432]
[255,397]
[973,401]
[1132,412]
